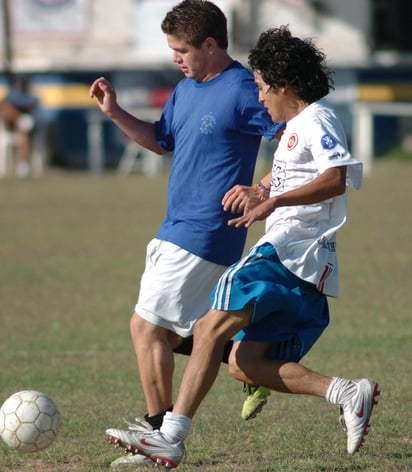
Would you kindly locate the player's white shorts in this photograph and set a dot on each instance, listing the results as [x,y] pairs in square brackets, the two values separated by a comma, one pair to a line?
[175,287]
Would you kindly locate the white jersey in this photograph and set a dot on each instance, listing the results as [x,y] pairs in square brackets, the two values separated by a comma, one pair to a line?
[305,235]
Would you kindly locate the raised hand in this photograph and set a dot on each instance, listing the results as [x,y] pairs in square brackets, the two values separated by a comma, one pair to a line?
[105,95]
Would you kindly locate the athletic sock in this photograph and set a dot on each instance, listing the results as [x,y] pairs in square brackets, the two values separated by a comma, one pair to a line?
[175,427]
[156,421]
[340,391]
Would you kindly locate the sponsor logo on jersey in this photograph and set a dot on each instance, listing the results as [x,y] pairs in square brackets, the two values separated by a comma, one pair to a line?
[207,124]
[326,244]
[292,141]
[336,155]
[328,142]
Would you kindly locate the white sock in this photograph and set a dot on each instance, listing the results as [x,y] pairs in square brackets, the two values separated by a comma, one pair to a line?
[175,427]
[340,391]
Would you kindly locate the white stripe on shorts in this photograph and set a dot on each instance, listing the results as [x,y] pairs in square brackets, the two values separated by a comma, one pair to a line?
[221,299]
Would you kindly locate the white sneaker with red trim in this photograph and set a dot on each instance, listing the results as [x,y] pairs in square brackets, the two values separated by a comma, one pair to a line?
[150,444]
[356,412]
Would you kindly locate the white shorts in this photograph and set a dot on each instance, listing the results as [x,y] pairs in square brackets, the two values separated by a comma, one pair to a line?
[175,287]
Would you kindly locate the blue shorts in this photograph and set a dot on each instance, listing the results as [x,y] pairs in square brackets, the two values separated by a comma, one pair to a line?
[287,309]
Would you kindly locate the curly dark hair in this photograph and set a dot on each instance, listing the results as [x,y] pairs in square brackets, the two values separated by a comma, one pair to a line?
[195,20]
[281,58]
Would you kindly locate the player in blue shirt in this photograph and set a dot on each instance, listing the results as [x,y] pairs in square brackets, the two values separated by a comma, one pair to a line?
[213,124]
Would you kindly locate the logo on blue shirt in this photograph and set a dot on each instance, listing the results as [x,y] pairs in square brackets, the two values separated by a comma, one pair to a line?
[328,142]
[207,124]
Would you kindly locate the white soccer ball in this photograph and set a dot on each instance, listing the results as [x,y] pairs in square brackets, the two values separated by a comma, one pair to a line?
[29,421]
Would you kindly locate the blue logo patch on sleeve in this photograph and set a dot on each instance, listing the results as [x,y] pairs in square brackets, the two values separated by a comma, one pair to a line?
[328,142]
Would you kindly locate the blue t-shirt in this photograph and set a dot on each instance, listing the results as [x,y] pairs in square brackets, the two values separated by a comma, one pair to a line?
[214,130]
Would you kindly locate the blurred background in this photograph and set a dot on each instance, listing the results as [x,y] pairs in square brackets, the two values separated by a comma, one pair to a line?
[59,47]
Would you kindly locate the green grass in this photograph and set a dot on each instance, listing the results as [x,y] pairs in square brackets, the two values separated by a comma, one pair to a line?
[71,255]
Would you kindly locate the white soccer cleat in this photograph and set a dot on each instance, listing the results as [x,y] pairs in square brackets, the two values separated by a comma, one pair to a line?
[150,444]
[356,412]
[130,460]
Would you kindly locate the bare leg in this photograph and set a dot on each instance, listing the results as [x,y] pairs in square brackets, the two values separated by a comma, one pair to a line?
[356,398]
[247,363]
[9,113]
[23,152]
[154,353]
[210,336]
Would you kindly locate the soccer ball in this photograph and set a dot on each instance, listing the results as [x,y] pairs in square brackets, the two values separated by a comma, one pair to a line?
[29,421]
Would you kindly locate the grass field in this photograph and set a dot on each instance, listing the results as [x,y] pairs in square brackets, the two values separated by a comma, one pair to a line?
[71,255]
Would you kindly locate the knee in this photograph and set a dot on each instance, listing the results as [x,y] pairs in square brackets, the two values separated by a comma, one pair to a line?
[146,336]
[235,370]
[140,330]
[207,331]
[200,331]
[134,325]
[243,360]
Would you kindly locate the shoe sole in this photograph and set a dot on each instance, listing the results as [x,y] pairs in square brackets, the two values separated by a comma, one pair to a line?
[131,448]
[126,462]
[375,399]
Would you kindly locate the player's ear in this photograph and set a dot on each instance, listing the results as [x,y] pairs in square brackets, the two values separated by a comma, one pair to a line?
[283,86]
[210,45]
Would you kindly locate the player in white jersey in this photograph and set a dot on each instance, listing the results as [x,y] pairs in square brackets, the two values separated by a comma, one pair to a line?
[277,293]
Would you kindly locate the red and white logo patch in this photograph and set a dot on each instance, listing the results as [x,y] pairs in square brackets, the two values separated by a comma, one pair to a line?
[292,141]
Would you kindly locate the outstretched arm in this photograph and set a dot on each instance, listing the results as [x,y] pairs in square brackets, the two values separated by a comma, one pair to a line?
[138,130]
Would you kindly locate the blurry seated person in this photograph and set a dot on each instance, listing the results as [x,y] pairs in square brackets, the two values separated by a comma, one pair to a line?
[16,110]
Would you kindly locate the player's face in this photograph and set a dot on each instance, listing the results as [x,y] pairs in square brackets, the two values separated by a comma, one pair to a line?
[192,61]
[271,99]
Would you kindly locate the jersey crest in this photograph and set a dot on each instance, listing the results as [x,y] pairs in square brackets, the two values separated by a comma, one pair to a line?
[328,142]
[207,124]
[292,141]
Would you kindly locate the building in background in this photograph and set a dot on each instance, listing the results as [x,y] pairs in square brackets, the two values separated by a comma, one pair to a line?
[65,44]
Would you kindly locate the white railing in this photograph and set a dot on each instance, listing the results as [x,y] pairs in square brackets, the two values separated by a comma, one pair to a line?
[363,129]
